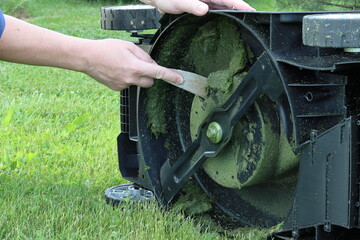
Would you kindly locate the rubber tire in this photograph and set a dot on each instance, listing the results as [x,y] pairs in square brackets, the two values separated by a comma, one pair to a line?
[130,17]
[127,192]
[336,30]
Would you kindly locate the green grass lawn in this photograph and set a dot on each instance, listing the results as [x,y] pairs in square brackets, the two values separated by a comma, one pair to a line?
[262,5]
[58,148]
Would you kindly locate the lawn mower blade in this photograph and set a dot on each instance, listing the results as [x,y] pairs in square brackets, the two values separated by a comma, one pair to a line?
[261,78]
[193,83]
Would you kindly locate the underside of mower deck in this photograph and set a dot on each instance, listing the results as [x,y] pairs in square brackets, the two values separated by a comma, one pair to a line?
[282,107]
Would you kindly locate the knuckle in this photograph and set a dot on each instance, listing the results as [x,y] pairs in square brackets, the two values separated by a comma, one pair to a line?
[147,82]
[160,74]
[130,44]
[133,71]
[137,71]
[128,81]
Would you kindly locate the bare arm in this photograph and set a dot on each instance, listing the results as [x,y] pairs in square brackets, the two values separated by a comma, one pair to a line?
[115,63]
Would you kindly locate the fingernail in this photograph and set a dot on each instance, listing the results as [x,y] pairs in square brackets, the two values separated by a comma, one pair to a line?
[180,80]
[202,9]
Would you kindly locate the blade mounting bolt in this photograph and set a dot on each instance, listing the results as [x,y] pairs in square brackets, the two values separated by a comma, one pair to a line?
[214,132]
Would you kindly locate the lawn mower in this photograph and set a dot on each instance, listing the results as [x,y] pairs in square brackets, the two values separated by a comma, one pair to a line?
[275,139]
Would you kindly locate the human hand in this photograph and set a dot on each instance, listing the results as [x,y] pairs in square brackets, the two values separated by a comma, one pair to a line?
[197,7]
[119,64]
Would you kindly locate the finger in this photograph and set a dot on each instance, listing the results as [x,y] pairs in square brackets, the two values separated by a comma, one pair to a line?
[145,82]
[195,7]
[141,54]
[159,72]
[241,5]
[229,4]
[215,6]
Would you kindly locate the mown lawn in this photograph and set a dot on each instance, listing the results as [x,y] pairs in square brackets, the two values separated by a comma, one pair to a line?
[58,147]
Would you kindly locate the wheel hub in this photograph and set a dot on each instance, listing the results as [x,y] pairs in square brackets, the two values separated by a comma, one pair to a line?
[251,155]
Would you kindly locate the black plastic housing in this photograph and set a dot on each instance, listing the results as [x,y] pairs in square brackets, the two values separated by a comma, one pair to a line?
[321,89]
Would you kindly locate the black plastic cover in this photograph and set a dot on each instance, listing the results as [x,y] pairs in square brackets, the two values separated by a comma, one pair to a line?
[336,30]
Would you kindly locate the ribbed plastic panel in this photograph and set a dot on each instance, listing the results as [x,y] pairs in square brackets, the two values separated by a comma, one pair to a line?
[124,111]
